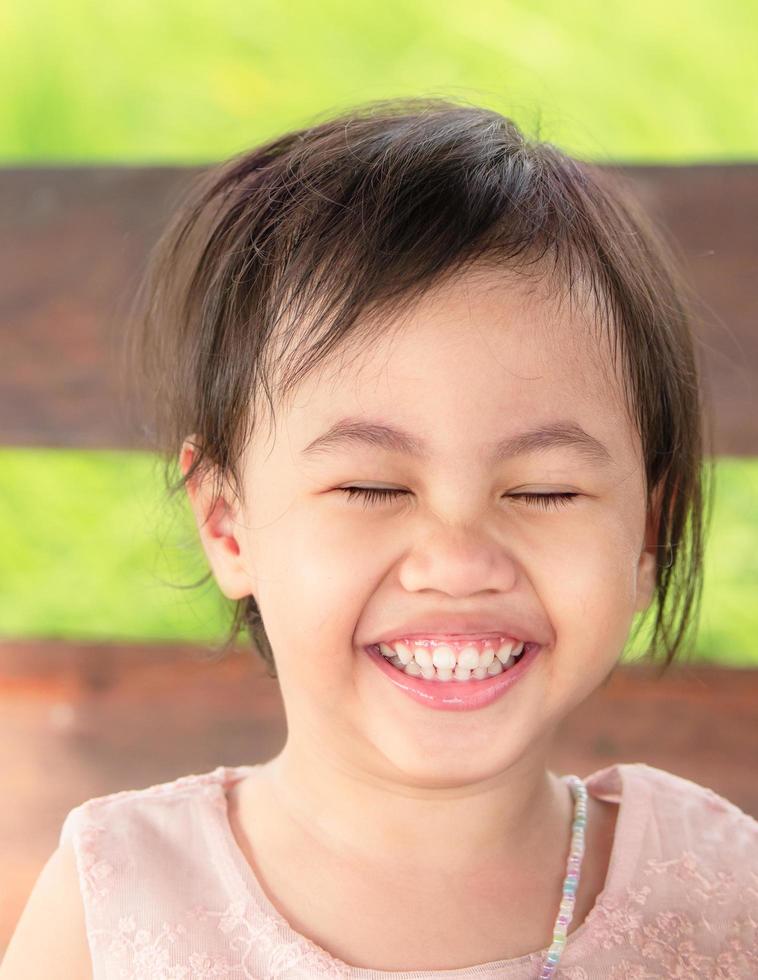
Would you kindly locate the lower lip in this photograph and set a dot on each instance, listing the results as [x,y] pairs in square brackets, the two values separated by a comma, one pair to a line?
[456,695]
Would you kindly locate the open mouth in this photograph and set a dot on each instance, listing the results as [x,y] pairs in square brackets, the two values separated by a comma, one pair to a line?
[465,662]
[435,689]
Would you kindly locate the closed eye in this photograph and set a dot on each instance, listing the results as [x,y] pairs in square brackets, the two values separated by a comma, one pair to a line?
[373,495]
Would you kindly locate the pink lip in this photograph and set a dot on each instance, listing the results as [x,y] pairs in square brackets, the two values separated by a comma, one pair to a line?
[456,695]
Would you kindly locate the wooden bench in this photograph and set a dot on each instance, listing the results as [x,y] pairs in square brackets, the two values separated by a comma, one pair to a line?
[83,719]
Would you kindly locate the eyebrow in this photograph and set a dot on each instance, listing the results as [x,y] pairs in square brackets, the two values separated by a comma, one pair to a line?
[350,432]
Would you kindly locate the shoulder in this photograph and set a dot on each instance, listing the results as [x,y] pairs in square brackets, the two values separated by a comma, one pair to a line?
[682,889]
[690,808]
[103,841]
[673,834]
[681,839]
[88,815]
[715,837]
[181,786]
[669,814]
[113,833]
[672,800]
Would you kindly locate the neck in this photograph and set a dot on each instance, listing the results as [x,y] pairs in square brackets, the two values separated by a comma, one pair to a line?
[496,824]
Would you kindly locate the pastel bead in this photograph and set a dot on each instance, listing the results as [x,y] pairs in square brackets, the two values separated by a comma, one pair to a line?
[573,867]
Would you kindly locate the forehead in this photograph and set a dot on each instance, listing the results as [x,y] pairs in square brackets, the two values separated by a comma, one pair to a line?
[486,340]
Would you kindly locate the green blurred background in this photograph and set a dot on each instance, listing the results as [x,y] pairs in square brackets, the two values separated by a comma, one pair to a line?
[89,546]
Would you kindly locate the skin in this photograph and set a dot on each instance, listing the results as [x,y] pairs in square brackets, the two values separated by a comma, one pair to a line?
[376,802]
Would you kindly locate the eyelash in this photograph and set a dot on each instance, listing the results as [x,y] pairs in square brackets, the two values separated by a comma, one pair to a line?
[372,495]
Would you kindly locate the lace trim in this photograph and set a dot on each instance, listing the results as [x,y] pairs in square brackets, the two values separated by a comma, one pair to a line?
[629,941]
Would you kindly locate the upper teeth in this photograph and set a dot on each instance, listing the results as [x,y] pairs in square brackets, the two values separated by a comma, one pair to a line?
[469,655]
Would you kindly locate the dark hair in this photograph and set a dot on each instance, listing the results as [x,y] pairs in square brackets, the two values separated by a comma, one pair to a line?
[365,212]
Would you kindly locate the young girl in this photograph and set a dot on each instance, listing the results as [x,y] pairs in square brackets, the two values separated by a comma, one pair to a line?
[432,391]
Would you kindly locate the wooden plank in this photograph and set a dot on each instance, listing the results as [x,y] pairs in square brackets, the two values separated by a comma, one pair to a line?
[73,242]
[83,720]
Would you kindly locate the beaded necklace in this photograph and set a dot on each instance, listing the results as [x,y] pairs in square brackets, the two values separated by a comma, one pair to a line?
[571,881]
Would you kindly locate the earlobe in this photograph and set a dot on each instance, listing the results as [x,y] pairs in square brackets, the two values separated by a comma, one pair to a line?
[218,532]
[646,568]
[647,564]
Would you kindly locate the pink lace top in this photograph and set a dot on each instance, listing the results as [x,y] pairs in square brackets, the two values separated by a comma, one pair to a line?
[169,895]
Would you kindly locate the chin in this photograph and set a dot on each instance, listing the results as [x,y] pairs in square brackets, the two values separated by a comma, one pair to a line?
[441,771]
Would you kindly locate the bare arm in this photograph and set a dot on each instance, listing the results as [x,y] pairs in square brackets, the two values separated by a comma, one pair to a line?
[50,939]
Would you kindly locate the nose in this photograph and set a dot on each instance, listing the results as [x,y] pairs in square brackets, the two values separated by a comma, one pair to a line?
[460,563]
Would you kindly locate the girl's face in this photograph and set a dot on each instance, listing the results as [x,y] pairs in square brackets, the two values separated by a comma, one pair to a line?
[480,359]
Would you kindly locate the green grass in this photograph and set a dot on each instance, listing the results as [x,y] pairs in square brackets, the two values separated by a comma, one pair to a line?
[88,547]
[197,80]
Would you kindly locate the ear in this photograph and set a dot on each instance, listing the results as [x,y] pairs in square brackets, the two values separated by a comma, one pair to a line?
[219,530]
[648,562]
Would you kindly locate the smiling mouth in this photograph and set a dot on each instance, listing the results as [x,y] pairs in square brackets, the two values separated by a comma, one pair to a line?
[453,660]
[483,686]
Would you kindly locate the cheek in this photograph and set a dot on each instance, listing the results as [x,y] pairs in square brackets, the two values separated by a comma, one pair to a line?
[598,570]
[312,585]
[588,588]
